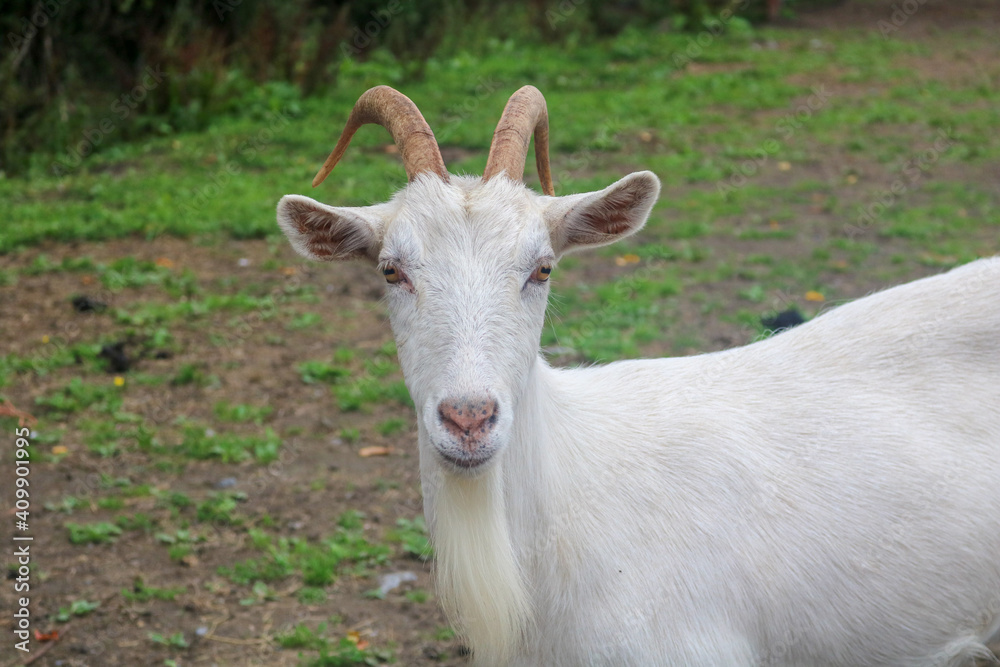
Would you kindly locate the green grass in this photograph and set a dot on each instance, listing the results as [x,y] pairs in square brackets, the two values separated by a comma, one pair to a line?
[392,426]
[343,652]
[317,563]
[79,395]
[220,508]
[412,536]
[760,205]
[76,608]
[600,96]
[175,640]
[200,442]
[141,592]
[92,533]
[241,412]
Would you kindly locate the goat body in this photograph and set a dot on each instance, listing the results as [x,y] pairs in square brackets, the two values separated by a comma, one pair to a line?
[828,497]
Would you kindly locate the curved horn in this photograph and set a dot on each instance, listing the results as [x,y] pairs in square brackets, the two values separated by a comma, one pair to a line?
[524,114]
[395,112]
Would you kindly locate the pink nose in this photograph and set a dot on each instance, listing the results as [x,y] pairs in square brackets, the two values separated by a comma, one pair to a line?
[468,420]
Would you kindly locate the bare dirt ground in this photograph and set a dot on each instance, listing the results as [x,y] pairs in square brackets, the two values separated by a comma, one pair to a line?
[319,475]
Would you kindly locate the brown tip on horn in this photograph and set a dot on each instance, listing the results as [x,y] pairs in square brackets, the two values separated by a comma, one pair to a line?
[524,114]
[395,112]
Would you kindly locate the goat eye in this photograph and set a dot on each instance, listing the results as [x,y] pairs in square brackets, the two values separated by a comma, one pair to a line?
[391,274]
[542,273]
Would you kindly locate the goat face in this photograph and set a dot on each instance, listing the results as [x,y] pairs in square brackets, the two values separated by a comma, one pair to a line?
[466,264]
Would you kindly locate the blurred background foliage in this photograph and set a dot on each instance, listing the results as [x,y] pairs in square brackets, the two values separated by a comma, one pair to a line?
[68,65]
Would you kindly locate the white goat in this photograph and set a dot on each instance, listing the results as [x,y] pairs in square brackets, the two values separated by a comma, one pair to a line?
[829,496]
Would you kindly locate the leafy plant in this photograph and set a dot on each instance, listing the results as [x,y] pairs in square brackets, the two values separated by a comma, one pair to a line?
[175,640]
[203,443]
[140,592]
[241,412]
[219,507]
[412,535]
[76,608]
[92,533]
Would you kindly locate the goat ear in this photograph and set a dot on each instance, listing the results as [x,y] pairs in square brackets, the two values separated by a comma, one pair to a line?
[599,218]
[326,233]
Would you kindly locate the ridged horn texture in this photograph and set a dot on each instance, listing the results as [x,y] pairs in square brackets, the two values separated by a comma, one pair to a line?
[524,115]
[395,112]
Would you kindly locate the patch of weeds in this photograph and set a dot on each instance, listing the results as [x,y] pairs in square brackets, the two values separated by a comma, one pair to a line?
[418,595]
[351,520]
[42,264]
[381,366]
[261,593]
[109,482]
[374,594]
[370,390]
[320,371]
[92,533]
[755,293]
[318,563]
[311,595]
[76,608]
[189,374]
[136,490]
[178,552]
[101,437]
[444,634]
[241,412]
[391,426]
[131,272]
[140,592]
[349,651]
[138,521]
[77,396]
[175,640]
[343,355]
[183,286]
[219,508]
[67,505]
[304,321]
[175,500]
[182,536]
[384,485]
[110,503]
[272,567]
[350,435]
[411,534]
[302,636]
[202,443]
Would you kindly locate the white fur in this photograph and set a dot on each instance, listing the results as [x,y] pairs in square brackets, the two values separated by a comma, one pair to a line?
[827,497]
